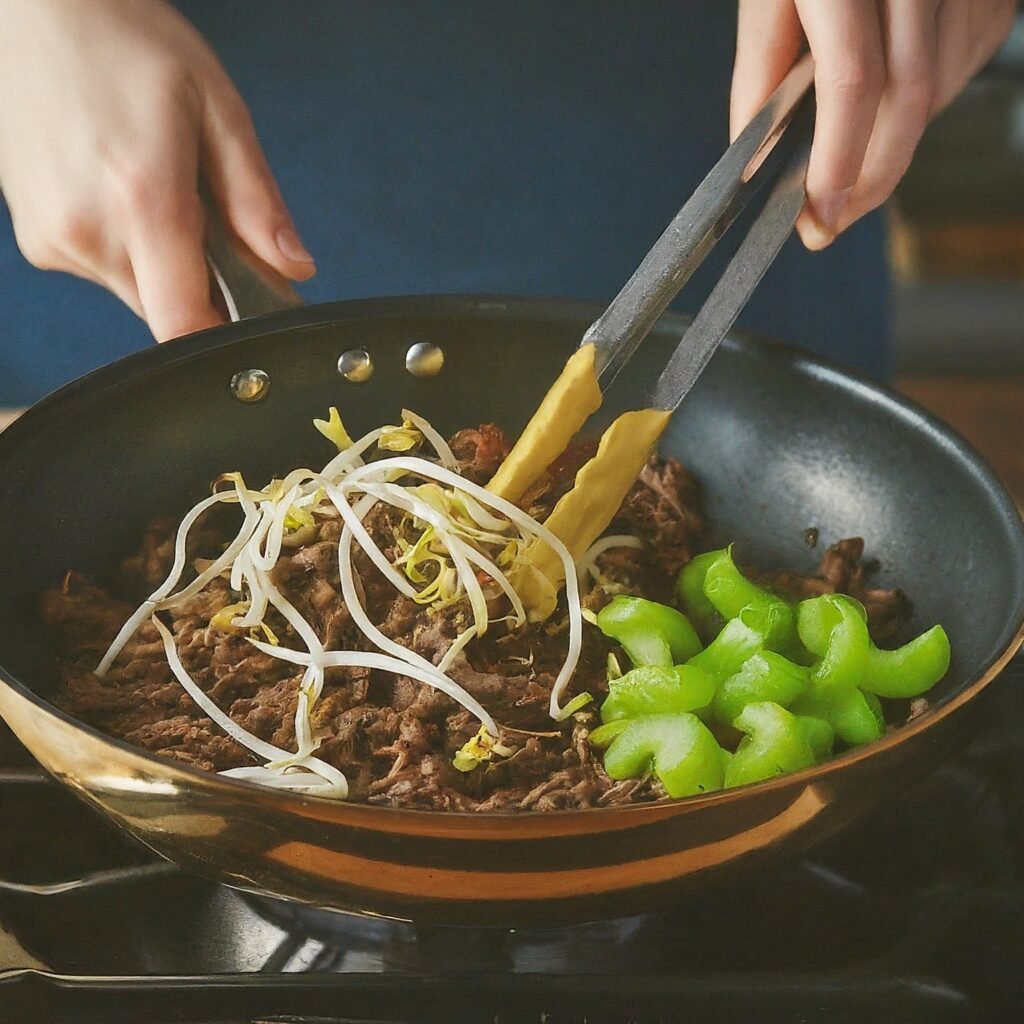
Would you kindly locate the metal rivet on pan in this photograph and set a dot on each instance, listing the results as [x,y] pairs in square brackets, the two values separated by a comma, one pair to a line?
[355,365]
[424,359]
[250,385]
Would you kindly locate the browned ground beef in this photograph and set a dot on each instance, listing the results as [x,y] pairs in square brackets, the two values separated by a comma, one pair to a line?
[393,737]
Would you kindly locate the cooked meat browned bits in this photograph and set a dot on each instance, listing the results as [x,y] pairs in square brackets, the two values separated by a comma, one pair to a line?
[393,737]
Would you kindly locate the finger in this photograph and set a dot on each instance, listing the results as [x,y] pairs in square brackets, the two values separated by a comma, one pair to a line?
[911,33]
[125,289]
[244,186]
[846,41]
[164,240]
[968,35]
[93,253]
[768,40]
[115,274]
[97,262]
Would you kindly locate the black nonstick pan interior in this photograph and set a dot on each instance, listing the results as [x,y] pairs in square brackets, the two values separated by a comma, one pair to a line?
[779,443]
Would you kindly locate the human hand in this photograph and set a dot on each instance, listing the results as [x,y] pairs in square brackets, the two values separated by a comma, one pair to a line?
[883,68]
[109,112]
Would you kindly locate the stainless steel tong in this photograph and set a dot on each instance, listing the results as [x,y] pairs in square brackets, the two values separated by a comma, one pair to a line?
[774,147]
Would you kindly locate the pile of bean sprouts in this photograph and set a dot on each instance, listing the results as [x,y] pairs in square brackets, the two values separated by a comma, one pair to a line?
[467,532]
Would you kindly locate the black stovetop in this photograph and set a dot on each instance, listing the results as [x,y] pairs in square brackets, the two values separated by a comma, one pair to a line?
[917,915]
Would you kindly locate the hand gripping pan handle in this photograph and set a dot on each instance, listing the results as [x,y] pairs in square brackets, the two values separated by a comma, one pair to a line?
[248,286]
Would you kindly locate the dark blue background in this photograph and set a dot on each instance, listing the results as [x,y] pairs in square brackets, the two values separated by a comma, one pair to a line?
[529,147]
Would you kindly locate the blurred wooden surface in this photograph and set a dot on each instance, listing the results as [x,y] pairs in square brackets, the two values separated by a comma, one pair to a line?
[958,249]
[988,411]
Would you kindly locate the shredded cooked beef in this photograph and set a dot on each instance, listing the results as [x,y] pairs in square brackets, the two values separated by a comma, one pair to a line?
[842,572]
[661,510]
[393,737]
[557,479]
[480,451]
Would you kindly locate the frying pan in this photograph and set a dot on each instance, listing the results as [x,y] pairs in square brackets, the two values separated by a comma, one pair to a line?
[779,441]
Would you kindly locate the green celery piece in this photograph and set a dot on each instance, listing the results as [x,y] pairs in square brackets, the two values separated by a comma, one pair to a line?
[818,616]
[855,716]
[650,633]
[600,737]
[725,655]
[679,749]
[910,670]
[819,735]
[652,690]
[834,628]
[765,676]
[799,655]
[775,744]
[734,596]
[690,588]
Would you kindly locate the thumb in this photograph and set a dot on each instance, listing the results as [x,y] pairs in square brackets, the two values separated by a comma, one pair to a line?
[244,186]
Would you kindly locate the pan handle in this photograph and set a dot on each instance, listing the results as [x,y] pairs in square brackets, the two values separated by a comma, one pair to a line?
[248,285]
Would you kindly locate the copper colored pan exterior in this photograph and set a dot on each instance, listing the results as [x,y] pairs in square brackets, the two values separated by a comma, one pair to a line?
[780,443]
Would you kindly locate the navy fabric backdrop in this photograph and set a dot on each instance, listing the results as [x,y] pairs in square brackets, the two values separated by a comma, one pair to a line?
[470,145]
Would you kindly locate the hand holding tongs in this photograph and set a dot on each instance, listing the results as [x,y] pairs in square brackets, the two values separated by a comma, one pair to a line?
[774,147]
[776,144]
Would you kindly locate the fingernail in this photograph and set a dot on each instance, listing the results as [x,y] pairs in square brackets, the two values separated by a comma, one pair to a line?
[812,234]
[291,246]
[829,208]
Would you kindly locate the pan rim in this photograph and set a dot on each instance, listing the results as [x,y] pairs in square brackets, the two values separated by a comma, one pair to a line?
[338,811]
[140,364]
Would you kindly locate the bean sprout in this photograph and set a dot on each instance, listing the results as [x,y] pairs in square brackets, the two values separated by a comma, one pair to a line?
[469,535]
[588,560]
